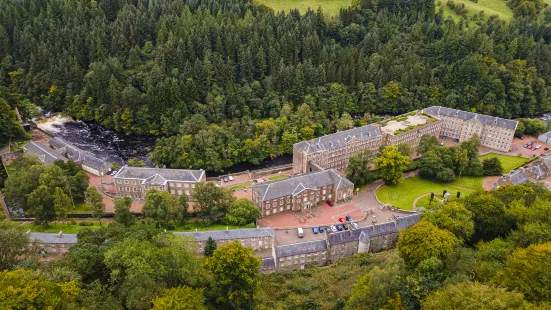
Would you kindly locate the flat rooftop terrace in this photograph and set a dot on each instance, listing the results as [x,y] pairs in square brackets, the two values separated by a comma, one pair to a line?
[405,123]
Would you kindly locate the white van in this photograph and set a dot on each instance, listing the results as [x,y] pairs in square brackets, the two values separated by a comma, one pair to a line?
[231,178]
[300,232]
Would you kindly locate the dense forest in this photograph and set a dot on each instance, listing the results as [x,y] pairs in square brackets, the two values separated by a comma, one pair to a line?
[222,82]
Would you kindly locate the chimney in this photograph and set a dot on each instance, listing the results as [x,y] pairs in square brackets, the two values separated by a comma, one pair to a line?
[59,234]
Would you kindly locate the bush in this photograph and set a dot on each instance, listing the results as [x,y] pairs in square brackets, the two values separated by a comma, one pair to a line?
[170,226]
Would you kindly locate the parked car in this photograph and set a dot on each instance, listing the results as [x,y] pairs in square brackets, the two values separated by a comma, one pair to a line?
[218,182]
[225,179]
[546,149]
[341,220]
[533,148]
[108,173]
[330,203]
[345,226]
[349,218]
[354,225]
[231,178]
[455,140]
[320,229]
[538,147]
[442,143]
[300,232]
[339,227]
[315,230]
[333,228]
[327,229]
[532,155]
[114,172]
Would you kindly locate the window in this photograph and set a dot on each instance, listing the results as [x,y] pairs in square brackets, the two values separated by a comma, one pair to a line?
[179,185]
[119,181]
[147,187]
[160,188]
[125,181]
[120,188]
[128,189]
[135,189]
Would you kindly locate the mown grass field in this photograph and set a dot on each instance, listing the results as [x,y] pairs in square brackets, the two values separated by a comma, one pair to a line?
[490,7]
[507,162]
[240,186]
[66,228]
[329,7]
[403,195]
[278,177]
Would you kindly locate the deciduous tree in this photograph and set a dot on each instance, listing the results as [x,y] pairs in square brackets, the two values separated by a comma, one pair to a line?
[528,271]
[95,199]
[242,212]
[423,241]
[180,298]
[235,272]
[162,207]
[122,212]
[211,199]
[13,244]
[391,165]
[453,217]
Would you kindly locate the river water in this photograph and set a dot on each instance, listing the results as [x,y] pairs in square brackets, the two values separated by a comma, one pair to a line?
[110,146]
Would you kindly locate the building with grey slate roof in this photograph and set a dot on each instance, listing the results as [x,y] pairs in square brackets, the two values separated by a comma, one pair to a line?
[334,150]
[514,177]
[301,192]
[134,182]
[88,161]
[301,255]
[494,132]
[46,154]
[405,222]
[53,244]
[268,265]
[258,239]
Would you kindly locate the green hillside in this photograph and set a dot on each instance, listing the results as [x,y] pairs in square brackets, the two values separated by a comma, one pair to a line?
[470,8]
[330,7]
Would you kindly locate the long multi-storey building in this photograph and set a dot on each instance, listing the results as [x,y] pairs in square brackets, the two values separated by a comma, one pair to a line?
[334,151]
[494,132]
[301,192]
[134,182]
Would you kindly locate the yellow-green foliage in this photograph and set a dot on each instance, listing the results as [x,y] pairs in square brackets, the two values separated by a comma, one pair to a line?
[423,241]
[329,7]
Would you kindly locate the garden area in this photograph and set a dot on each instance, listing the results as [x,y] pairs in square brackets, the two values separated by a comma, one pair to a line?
[508,162]
[403,195]
[241,186]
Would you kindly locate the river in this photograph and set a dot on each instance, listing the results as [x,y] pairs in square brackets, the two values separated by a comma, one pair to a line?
[110,146]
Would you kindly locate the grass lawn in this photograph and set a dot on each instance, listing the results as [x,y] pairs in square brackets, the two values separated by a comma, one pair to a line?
[10,169]
[278,177]
[82,207]
[507,162]
[240,186]
[490,7]
[200,226]
[65,227]
[474,183]
[424,202]
[403,195]
[329,7]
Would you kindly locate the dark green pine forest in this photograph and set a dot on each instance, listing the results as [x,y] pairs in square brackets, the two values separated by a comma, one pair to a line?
[223,82]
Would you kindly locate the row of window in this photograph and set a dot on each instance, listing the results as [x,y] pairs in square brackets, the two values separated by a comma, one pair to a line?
[137,189]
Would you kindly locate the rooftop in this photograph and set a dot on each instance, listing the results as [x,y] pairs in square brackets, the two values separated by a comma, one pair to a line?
[483,119]
[159,175]
[296,184]
[45,154]
[51,238]
[268,263]
[338,139]
[78,155]
[405,123]
[230,234]
[365,233]
[300,248]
